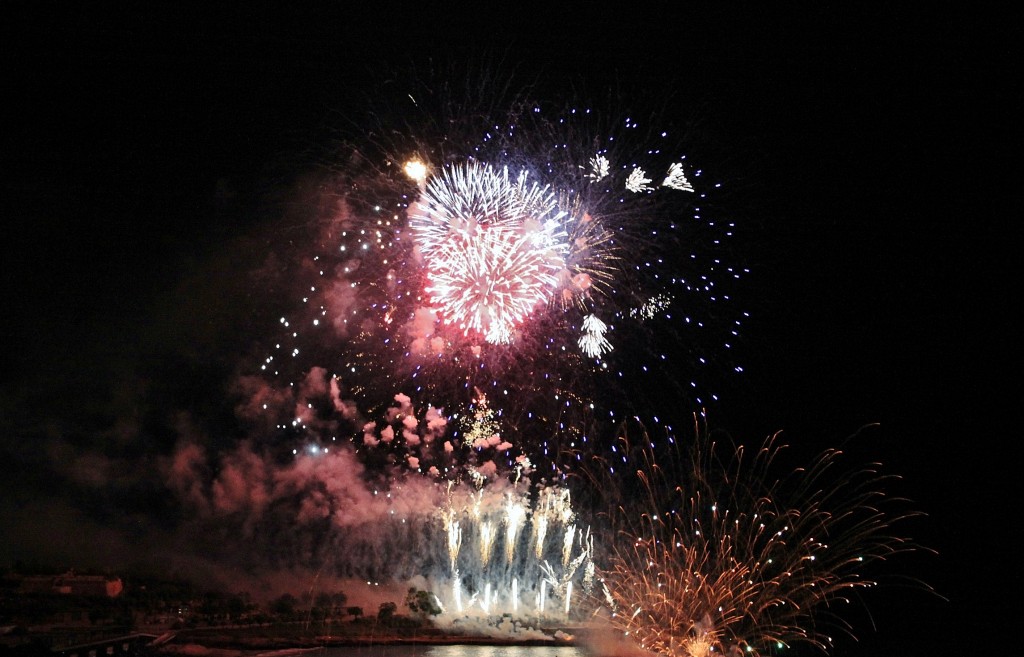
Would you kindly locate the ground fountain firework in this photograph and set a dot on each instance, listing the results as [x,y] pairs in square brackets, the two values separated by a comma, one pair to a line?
[513,544]
[510,556]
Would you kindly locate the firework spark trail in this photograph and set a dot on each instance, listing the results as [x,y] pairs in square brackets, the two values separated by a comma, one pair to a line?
[722,553]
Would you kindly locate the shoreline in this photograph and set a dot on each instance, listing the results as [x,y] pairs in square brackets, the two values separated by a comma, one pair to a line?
[452,640]
[220,646]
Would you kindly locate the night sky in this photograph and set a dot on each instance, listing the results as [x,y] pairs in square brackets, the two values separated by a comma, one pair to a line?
[868,152]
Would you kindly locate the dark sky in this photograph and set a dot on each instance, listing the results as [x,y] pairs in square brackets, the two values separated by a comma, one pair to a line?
[871,150]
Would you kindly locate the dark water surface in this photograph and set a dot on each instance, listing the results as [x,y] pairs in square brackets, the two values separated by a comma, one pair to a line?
[455,651]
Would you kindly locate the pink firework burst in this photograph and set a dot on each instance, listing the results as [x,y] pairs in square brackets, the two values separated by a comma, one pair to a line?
[494,248]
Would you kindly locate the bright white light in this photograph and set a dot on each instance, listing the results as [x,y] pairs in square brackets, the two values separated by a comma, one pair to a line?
[638,181]
[676,179]
[416,170]
[592,342]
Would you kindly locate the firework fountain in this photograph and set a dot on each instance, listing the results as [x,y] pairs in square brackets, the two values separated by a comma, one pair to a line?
[488,541]
[541,557]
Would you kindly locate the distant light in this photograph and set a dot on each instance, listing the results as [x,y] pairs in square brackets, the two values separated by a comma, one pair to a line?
[416,170]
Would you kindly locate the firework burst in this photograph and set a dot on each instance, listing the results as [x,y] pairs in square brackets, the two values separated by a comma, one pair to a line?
[721,554]
[494,248]
[562,261]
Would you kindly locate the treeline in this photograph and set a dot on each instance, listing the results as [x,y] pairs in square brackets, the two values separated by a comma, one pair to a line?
[179,604]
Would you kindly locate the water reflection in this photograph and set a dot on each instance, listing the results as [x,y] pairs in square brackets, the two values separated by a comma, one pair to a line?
[455,651]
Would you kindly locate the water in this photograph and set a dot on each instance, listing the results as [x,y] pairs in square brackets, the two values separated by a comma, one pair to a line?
[455,651]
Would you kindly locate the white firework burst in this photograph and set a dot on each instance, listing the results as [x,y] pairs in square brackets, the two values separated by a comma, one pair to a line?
[497,247]
[676,178]
[592,342]
[638,181]
[599,168]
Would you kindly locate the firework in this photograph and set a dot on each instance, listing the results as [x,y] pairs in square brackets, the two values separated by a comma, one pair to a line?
[593,343]
[564,262]
[533,534]
[494,249]
[719,553]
